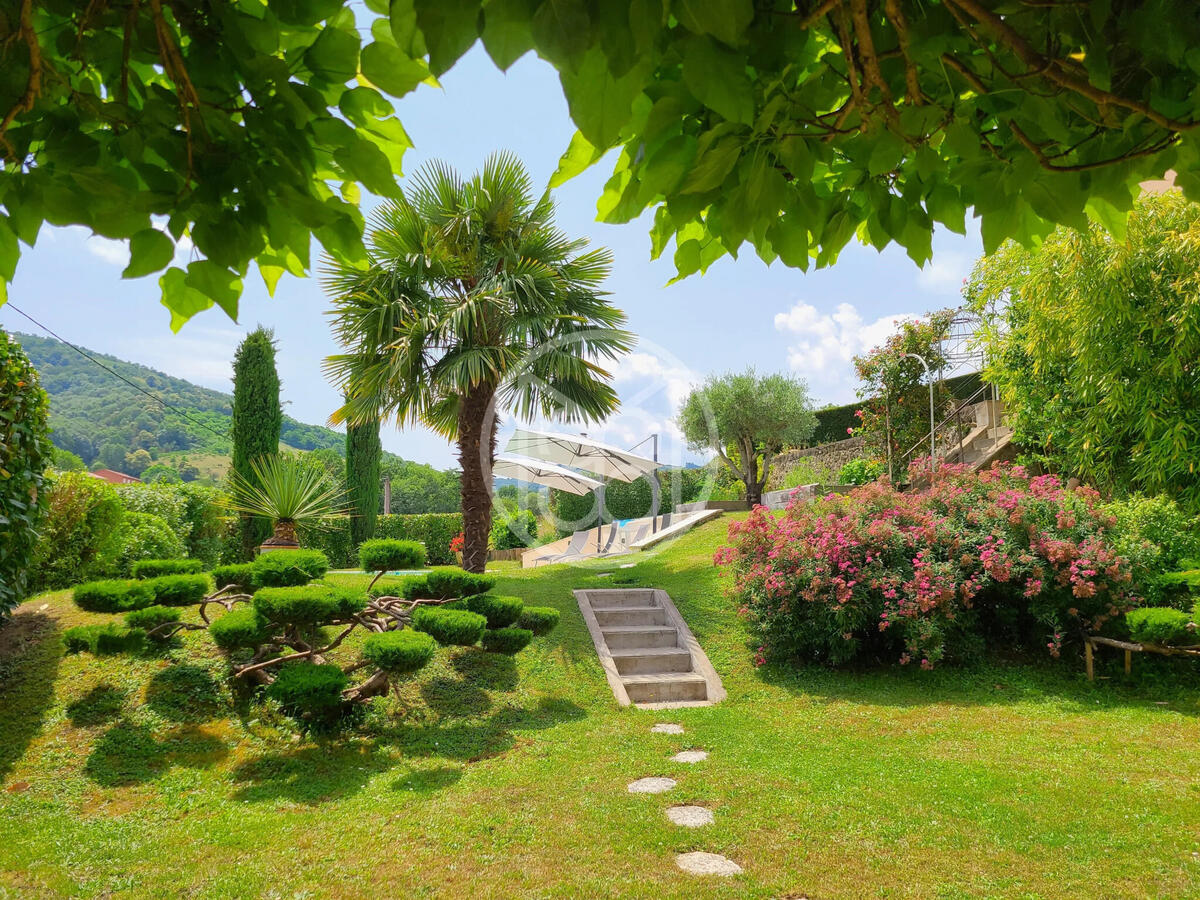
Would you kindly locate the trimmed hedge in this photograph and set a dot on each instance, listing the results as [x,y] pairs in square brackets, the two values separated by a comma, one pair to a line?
[241,627]
[506,640]
[449,627]
[306,604]
[240,574]
[107,638]
[452,582]
[307,687]
[538,619]
[434,530]
[151,617]
[179,590]
[114,595]
[153,568]
[1160,625]
[288,568]
[399,652]
[500,612]
[385,554]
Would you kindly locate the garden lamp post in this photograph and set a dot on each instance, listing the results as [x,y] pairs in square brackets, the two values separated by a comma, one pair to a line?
[932,424]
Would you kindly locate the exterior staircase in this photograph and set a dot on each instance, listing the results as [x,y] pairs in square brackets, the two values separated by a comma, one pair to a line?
[986,441]
[648,653]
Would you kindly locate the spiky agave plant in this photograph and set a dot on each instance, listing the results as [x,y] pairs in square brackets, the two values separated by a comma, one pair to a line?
[288,492]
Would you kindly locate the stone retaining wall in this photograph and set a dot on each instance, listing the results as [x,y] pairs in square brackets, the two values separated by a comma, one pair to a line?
[830,457]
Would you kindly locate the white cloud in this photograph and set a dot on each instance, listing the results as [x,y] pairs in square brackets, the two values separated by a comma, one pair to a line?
[944,274]
[825,345]
[113,252]
[654,376]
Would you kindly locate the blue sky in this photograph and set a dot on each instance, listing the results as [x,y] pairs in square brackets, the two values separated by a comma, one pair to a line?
[741,313]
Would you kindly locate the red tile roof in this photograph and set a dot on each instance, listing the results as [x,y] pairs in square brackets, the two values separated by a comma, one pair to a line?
[114,477]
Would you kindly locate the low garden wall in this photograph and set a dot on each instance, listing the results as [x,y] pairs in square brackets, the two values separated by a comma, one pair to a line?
[824,458]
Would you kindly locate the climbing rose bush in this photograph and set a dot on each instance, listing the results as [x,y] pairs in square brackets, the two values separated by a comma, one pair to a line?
[941,573]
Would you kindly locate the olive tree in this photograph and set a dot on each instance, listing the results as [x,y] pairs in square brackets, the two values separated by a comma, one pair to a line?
[747,420]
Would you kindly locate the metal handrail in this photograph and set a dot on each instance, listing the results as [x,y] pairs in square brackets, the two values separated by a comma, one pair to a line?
[956,415]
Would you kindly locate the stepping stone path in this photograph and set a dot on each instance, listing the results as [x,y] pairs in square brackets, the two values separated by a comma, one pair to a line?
[651,785]
[690,816]
[700,863]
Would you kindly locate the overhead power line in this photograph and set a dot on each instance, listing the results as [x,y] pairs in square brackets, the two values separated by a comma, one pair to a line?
[137,387]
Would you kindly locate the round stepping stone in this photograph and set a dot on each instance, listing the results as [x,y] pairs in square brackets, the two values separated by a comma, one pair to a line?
[651,785]
[700,863]
[690,816]
[667,728]
[690,756]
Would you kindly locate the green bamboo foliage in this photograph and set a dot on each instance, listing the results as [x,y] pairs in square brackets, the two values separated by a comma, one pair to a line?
[363,452]
[257,419]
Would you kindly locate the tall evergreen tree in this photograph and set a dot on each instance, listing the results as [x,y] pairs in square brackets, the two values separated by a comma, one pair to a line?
[257,418]
[363,453]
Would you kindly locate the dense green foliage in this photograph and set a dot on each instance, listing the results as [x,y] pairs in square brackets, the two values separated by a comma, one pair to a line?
[1093,343]
[419,488]
[506,640]
[450,627]
[512,528]
[538,619]
[499,611]
[474,303]
[152,568]
[240,574]
[383,555]
[113,596]
[631,499]
[286,568]
[747,419]
[254,423]
[145,536]
[450,581]
[894,415]
[195,512]
[1158,539]
[399,652]
[307,687]
[1160,625]
[861,471]
[306,604]
[240,628]
[363,488]
[80,534]
[110,637]
[25,452]
[150,617]
[434,530]
[179,590]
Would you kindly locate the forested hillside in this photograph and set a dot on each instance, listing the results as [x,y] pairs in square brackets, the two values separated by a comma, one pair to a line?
[109,423]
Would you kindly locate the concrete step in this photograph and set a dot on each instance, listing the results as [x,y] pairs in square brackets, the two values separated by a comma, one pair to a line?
[627,599]
[625,637]
[665,688]
[631,615]
[652,660]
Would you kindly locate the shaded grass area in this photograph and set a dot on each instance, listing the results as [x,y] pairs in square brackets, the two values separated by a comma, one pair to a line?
[494,776]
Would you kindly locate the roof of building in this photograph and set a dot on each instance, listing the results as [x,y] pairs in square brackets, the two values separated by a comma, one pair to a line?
[113,477]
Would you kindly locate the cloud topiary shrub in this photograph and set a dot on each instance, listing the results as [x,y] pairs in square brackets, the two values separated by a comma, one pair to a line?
[240,628]
[308,687]
[110,637]
[450,581]
[288,568]
[538,619]
[239,574]
[152,568]
[151,617]
[385,555]
[500,612]
[506,640]
[399,652]
[450,627]
[307,604]
[179,590]
[113,595]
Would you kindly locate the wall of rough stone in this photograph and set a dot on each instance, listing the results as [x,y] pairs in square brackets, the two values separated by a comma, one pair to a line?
[827,459]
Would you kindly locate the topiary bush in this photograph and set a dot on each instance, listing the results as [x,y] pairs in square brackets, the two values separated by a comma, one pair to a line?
[150,617]
[25,454]
[538,619]
[239,574]
[450,627]
[434,530]
[152,568]
[500,612]
[506,640]
[1160,625]
[399,652]
[450,581]
[113,596]
[107,638]
[239,628]
[308,687]
[384,555]
[288,568]
[307,604]
[179,590]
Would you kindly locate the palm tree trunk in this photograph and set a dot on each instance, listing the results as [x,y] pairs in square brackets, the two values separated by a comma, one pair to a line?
[476,451]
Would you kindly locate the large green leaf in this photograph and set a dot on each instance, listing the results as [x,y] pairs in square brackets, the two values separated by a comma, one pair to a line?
[391,70]
[334,54]
[600,104]
[726,20]
[507,30]
[580,154]
[717,78]
[561,31]
[450,28]
[149,251]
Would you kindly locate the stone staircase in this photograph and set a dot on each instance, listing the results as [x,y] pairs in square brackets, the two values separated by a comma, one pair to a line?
[987,441]
[648,653]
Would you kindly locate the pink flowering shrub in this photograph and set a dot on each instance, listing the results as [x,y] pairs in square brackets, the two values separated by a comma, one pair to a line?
[921,576]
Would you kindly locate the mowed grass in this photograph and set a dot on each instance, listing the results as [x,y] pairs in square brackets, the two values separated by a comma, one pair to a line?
[505,777]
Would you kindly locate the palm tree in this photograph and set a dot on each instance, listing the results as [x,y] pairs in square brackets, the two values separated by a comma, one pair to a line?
[286,490]
[473,302]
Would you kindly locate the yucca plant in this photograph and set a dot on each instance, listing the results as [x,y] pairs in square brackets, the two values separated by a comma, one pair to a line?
[287,491]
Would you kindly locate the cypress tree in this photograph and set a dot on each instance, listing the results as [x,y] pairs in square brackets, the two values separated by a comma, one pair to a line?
[257,419]
[363,452]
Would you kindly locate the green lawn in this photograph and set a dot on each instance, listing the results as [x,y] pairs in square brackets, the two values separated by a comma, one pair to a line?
[505,777]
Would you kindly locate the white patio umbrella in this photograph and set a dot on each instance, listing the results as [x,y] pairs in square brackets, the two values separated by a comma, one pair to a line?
[547,474]
[580,453]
